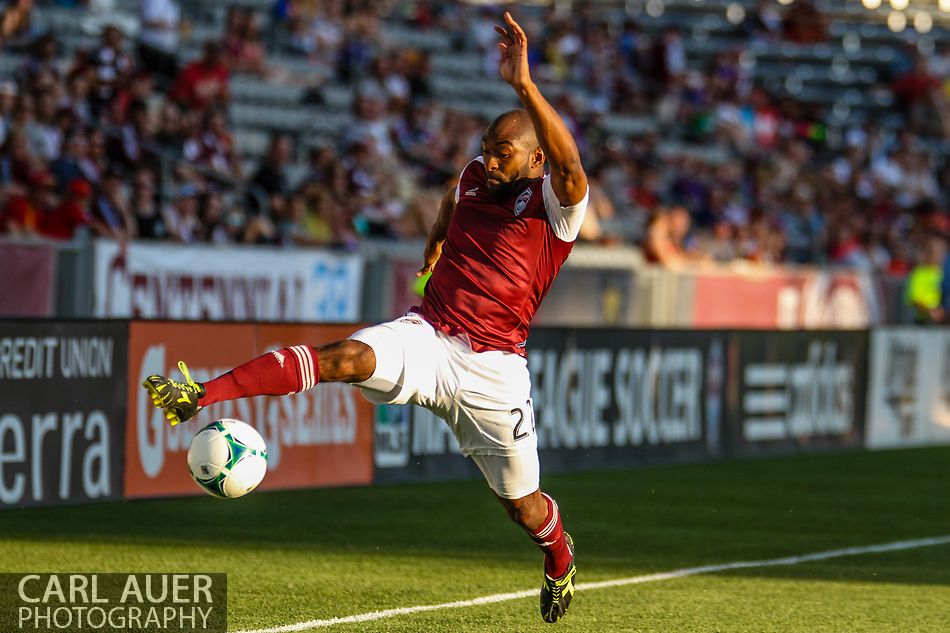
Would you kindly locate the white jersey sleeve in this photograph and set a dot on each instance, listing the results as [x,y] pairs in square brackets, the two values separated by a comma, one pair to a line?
[566,221]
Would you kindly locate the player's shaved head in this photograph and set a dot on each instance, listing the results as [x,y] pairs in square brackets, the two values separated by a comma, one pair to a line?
[514,125]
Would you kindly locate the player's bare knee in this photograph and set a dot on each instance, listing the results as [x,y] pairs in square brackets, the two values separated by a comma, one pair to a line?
[346,361]
[529,512]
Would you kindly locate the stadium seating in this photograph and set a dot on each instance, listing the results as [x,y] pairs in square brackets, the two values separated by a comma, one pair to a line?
[836,74]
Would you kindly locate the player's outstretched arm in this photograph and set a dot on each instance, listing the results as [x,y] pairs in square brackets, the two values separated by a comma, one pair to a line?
[438,232]
[567,174]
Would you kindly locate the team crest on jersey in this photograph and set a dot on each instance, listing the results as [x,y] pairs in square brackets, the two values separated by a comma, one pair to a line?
[522,201]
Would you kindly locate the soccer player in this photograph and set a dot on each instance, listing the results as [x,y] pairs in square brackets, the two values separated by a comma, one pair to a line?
[501,236]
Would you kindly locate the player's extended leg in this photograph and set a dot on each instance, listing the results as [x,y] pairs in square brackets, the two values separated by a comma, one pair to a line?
[510,477]
[278,373]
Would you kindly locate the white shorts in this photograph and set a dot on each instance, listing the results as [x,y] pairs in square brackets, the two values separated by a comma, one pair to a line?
[485,397]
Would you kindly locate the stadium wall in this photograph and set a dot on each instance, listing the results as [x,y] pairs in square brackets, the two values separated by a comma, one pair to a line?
[102,279]
[908,395]
[620,398]
[63,411]
[28,279]
[167,281]
[618,289]
[321,437]
[76,427]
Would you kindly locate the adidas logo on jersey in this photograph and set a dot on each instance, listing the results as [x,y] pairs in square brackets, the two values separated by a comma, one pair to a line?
[472,192]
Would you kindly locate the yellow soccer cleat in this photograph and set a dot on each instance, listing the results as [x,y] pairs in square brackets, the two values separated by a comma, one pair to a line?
[179,400]
[556,593]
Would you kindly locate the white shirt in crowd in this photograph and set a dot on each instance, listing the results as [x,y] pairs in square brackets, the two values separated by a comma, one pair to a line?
[164,16]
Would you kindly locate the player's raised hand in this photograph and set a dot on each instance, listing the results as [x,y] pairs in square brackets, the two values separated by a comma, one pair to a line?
[513,47]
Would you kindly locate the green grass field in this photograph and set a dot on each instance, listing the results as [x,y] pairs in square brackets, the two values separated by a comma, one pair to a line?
[295,556]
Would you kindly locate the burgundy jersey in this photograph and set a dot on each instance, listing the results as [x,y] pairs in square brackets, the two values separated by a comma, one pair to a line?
[499,259]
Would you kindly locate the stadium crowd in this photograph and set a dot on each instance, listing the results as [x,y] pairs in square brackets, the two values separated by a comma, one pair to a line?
[129,142]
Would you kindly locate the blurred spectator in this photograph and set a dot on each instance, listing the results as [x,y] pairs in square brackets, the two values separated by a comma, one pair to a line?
[136,137]
[211,146]
[24,214]
[358,47]
[241,44]
[158,37]
[760,240]
[762,173]
[15,23]
[77,102]
[112,64]
[805,24]
[370,112]
[230,229]
[413,135]
[8,95]
[420,212]
[804,231]
[95,161]
[416,67]
[203,83]
[39,71]
[315,28]
[372,186]
[945,282]
[667,240]
[720,245]
[66,168]
[171,130]
[113,209]
[762,120]
[600,212]
[322,159]
[270,177]
[184,223]
[72,213]
[645,190]
[150,223]
[43,131]
[669,57]
[326,214]
[139,87]
[16,163]
[924,283]
[765,21]
[221,225]
[916,90]
[851,247]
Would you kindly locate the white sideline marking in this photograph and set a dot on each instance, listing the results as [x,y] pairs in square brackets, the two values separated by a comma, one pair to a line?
[617,582]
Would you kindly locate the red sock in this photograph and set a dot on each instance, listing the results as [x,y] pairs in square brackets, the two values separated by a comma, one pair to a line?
[550,538]
[277,373]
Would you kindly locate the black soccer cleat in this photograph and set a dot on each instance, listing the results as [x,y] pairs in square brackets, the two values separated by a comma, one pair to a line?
[556,593]
[179,400]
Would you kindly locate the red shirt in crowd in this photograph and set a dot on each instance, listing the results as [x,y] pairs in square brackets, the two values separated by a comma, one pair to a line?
[62,222]
[914,86]
[200,85]
[21,212]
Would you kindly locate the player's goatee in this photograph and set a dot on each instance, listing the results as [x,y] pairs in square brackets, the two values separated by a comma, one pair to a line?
[502,189]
